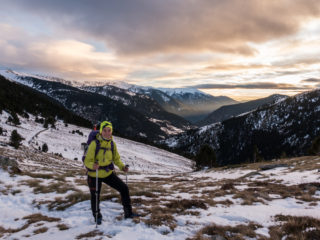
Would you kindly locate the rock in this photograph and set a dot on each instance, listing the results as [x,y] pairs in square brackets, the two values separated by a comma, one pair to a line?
[272,166]
[9,165]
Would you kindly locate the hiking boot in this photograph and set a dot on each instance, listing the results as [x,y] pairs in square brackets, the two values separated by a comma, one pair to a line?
[128,213]
[99,219]
[132,215]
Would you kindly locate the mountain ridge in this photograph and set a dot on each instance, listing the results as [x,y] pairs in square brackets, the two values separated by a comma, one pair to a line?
[287,127]
[189,103]
[233,110]
[96,108]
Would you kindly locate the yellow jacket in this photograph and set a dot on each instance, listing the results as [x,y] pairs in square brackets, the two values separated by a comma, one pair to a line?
[104,157]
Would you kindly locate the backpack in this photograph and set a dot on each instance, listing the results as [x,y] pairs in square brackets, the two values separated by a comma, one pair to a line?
[93,137]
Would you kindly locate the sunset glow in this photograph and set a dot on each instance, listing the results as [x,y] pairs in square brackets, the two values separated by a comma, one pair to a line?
[241,49]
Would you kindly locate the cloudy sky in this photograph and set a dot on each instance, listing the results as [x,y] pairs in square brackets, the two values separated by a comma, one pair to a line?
[244,49]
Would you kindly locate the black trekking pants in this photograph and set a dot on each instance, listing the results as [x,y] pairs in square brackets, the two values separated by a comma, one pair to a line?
[113,181]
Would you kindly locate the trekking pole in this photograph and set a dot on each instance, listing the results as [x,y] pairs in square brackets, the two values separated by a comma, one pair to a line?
[127,166]
[96,197]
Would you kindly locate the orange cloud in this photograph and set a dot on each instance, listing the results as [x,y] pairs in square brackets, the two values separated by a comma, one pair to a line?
[148,27]
[168,42]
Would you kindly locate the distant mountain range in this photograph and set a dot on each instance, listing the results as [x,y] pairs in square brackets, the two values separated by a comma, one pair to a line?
[229,111]
[191,104]
[275,125]
[188,103]
[149,123]
[286,127]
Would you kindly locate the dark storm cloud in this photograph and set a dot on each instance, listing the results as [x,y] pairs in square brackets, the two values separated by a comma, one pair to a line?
[144,26]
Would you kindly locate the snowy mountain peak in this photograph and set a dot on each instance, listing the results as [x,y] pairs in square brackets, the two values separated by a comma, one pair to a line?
[189,103]
[181,91]
[119,84]
[16,76]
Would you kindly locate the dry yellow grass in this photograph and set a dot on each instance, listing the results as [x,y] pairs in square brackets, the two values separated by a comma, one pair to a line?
[154,200]
[38,217]
[40,230]
[90,234]
[295,228]
[31,219]
[60,204]
[160,217]
[63,227]
[239,232]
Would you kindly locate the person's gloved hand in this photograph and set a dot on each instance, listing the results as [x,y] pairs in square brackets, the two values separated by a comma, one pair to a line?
[95,166]
[126,168]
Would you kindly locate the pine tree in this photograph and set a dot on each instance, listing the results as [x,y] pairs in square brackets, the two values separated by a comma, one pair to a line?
[315,147]
[25,115]
[39,120]
[256,155]
[206,157]
[15,139]
[51,120]
[14,119]
[283,154]
[45,147]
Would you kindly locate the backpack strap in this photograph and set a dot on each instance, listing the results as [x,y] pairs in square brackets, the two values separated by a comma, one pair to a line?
[105,149]
[112,148]
[98,146]
[107,168]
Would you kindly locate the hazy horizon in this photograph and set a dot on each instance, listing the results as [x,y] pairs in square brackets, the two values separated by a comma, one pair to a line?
[241,49]
[240,99]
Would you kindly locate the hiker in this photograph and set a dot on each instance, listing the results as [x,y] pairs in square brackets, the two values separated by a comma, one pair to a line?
[103,161]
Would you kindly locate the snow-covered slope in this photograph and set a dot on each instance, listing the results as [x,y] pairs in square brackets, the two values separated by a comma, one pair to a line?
[65,140]
[49,197]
